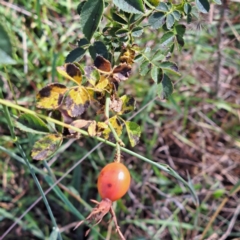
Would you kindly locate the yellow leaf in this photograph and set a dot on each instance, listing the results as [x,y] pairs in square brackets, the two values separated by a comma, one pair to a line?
[102,84]
[77,100]
[51,96]
[116,125]
[71,72]
[102,125]
[92,129]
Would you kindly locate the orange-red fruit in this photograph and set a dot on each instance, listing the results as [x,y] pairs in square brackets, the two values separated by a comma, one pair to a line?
[113,181]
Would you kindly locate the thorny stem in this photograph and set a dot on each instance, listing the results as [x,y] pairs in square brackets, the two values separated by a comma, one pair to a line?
[163,167]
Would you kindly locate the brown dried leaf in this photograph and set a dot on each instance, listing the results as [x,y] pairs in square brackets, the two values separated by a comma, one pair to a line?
[80,123]
[102,64]
[122,72]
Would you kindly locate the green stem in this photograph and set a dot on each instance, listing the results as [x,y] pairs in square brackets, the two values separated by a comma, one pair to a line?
[163,167]
[11,128]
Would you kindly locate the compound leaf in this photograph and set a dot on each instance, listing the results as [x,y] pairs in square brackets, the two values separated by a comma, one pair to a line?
[46,146]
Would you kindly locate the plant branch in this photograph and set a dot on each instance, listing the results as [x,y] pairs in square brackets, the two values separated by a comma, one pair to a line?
[163,167]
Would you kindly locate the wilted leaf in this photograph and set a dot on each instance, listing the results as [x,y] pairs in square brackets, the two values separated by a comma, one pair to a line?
[93,76]
[203,5]
[167,86]
[71,72]
[116,125]
[170,67]
[122,72]
[128,104]
[75,55]
[92,128]
[130,6]
[51,96]
[80,123]
[46,146]
[127,56]
[116,105]
[156,20]
[167,39]
[102,64]
[77,100]
[31,123]
[90,17]
[157,74]
[134,132]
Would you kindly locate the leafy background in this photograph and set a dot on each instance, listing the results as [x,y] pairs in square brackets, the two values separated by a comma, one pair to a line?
[196,132]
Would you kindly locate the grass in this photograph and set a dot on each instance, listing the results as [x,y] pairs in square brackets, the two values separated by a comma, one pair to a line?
[196,133]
